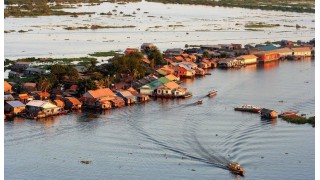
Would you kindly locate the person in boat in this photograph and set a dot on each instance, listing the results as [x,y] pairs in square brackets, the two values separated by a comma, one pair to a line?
[236,168]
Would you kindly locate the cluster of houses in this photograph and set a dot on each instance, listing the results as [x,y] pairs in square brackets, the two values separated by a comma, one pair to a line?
[164,83]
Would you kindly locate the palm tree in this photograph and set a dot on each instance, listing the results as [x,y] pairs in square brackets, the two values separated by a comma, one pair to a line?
[44,84]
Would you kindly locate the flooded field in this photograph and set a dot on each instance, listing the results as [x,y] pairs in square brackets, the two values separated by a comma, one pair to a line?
[165,25]
[175,139]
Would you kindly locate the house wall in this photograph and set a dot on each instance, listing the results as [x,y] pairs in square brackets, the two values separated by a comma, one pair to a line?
[302,53]
[146,91]
[250,61]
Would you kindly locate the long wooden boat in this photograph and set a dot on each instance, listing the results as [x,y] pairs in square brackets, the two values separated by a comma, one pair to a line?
[248,108]
[187,95]
[236,168]
[288,113]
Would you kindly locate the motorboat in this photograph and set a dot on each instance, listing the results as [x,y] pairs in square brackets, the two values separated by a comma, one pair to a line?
[288,113]
[198,102]
[236,168]
[212,93]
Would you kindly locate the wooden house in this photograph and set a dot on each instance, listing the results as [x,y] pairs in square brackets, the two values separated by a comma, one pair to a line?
[248,59]
[127,96]
[167,90]
[59,103]
[39,109]
[72,103]
[210,47]
[267,56]
[8,97]
[139,97]
[150,89]
[25,98]
[33,71]
[92,98]
[13,74]
[41,95]
[174,52]
[20,66]
[200,72]
[7,88]
[117,102]
[284,52]
[230,63]
[14,107]
[30,87]
[301,51]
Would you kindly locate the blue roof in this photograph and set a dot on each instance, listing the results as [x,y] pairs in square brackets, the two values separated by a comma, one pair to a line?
[15,103]
[268,48]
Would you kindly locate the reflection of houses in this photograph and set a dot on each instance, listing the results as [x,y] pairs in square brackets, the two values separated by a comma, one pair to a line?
[39,109]
[7,88]
[127,96]
[14,107]
[248,59]
[72,103]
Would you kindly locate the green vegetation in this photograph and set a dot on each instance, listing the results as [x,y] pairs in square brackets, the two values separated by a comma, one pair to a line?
[283,5]
[250,29]
[300,120]
[39,8]
[104,54]
[155,57]
[97,27]
[260,25]
[86,60]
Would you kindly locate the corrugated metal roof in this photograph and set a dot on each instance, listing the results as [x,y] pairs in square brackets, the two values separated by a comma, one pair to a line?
[267,48]
[38,103]
[15,103]
[163,80]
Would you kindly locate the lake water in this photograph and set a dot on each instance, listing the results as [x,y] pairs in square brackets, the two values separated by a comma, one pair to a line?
[175,139]
[204,25]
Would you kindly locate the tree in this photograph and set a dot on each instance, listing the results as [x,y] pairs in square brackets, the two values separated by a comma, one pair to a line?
[61,72]
[206,54]
[155,54]
[85,85]
[44,84]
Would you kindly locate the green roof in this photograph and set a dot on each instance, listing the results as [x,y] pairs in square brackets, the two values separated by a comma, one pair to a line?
[155,84]
[164,80]
[162,72]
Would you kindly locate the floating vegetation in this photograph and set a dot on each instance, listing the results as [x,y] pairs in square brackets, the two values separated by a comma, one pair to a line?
[250,29]
[86,162]
[300,120]
[299,26]
[97,27]
[104,54]
[22,31]
[176,25]
[288,26]
[260,25]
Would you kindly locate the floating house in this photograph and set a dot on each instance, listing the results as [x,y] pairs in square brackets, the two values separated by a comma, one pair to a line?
[117,102]
[130,50]
[7,88]
[20,66]
[267,56]
[284,52]
[92,98]
[72,103]
[230,63]
[127,96]
[248,59]
[59,103]
[14,107]
[33,71]
[25,98]
[40,109]
[301,51]
[139,97]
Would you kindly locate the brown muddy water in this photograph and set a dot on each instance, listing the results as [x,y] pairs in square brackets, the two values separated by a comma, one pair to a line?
[174,139]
